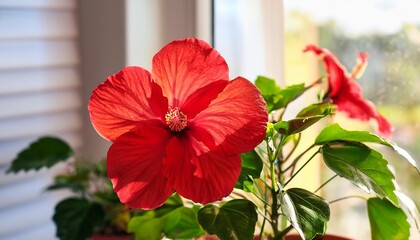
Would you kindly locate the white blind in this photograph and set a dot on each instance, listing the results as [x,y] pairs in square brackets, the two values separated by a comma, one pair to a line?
[39,95]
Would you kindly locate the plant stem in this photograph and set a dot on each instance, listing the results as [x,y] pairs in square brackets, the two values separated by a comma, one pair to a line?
[274,212]
[274,208]
[294,148]
[348,197]
[300,169]
[283,233]
[325,183]
[298,158]
[281,114]
[263,223]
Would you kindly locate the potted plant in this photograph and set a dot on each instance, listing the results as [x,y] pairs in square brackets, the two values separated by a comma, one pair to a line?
[202,156]
[93,209]
[186,128]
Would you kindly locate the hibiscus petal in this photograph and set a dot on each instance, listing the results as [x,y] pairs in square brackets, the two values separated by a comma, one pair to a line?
[124,101]
[350,100]
[347,93]
[201,98]
[360,66]
[183,66]
[335,70]
[235,121]
[202,178]
[134,165]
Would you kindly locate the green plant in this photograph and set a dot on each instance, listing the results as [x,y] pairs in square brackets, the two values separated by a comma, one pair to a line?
[180,137]
[93,207]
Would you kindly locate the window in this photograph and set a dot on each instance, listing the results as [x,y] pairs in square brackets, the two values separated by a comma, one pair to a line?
[389,31]
[39,95]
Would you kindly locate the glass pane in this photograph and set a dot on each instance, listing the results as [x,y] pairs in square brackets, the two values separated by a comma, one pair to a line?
[389,31]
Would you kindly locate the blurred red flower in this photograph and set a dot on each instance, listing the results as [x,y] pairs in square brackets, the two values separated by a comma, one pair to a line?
[346,93]
[179,128]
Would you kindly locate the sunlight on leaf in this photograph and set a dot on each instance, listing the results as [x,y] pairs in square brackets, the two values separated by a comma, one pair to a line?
[296,125]
[406,156]
[317,109]
[363,166]
[387,222]
[172,220]
[334,132]
[234,220]
[410,207]
[305,118]
[251,168]
[275,96]
[147,226]
[182,224]
[307,212]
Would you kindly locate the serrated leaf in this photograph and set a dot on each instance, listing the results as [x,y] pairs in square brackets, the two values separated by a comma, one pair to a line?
[234,220]
[361,165]
[267,86]
[251,168]
[44,152]
[334,132]
[288,94]
[308,213]
[410,207]
[387,222]
[77,218]
[275,96]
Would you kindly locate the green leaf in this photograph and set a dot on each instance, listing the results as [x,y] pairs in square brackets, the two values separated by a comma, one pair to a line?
[296,125]
[172,219]
[267,86]
[170,205]
[317,109]
[183,224]
[234,220]
[307,212]
[108,197]
[306,118]
[387,222]
[251,168]
[77,218]
[76,182]
[334,132]
[288,94]
[100,168]
[45,152]
[275,96]
[363,166]
[147,226]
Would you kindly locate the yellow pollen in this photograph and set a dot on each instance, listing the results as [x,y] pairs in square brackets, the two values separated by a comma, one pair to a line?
[175,119]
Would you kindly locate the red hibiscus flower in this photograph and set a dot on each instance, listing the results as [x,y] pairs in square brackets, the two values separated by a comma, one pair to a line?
[179,128]
[346,93]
